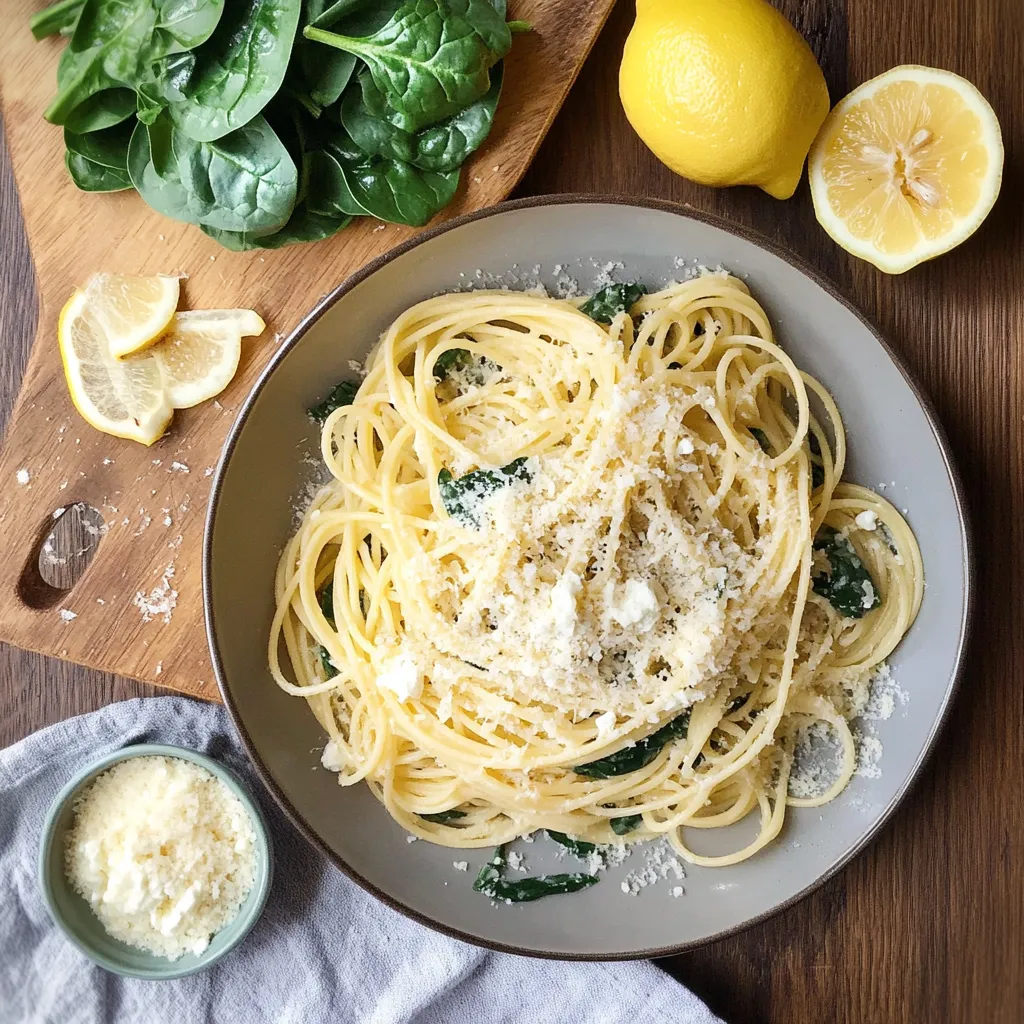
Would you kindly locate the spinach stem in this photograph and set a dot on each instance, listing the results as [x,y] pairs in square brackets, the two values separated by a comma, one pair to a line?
[55,19]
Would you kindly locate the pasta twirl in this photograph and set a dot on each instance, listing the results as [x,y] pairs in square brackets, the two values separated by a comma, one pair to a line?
[596,578]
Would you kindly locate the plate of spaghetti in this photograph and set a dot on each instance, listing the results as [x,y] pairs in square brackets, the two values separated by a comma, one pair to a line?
[605,551]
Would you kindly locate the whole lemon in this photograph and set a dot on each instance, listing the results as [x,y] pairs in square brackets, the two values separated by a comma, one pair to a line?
[725,92]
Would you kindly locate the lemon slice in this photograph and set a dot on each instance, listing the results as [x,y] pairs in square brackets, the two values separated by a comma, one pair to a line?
[123,398]
[906,167]
[199,352]
[132,312]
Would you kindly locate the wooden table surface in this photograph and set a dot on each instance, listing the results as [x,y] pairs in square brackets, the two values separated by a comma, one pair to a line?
[928,924]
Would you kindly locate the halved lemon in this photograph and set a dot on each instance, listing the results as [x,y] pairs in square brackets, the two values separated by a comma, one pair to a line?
[125,398]
[200,350]
[906,167]
[132,311]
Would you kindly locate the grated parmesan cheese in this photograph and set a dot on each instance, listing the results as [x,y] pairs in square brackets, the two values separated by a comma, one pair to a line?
[402,676]
[163,852]
[637,606]
[333,757]
[869,753]
[161,600]
[867,520]
[584,576]
[660,862]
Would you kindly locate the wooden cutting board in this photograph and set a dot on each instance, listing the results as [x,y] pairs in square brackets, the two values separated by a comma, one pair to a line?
[137,608]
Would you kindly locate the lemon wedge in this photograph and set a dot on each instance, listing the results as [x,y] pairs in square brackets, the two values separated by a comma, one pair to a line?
[199,352]
[906,167]
[123,398]
[134,397]
[132,312]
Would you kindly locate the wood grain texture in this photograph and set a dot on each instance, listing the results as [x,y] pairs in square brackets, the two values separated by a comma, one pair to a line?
[153,500]
[927,926]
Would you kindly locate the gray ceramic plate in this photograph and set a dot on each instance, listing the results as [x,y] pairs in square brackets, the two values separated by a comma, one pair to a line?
[894,440]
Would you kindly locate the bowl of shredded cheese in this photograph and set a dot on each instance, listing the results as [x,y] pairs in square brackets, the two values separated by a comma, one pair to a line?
[155,861]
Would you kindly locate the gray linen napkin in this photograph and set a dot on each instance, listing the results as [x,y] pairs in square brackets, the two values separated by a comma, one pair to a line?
[323,951]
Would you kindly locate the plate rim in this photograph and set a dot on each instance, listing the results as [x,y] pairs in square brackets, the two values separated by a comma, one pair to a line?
[746,234]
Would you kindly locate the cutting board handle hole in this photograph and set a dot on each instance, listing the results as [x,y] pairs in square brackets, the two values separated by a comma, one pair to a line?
[67,545]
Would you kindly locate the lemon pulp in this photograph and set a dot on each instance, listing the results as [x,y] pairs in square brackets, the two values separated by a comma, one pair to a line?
[907,166]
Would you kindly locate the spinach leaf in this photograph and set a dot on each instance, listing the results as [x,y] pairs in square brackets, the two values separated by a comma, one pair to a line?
[98,161]
[449,361]
[163,83]
[325,661]
[525,890]
[108,146]
[474,370]
[325,72]
[301,227]
[440,147]
[491,871]
[238,69]
[328,194]
[577,847]
[57,19]
[626,824]
[642,753]
[245,181]
[327,15]
[154,173]
[93,177]
[848,586]
[762,439]
[395,191]
[431,59]
[604,305]
[341,394]
[185,24]
[327,602]
[462,496]
[324,209]
[444,817]
[114,39]
[326,79]
[817,469]
[103,110]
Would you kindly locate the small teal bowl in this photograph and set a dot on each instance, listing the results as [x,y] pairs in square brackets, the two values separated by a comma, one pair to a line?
[83,927]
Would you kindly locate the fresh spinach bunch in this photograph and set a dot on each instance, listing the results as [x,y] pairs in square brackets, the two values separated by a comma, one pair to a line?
[234,116]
